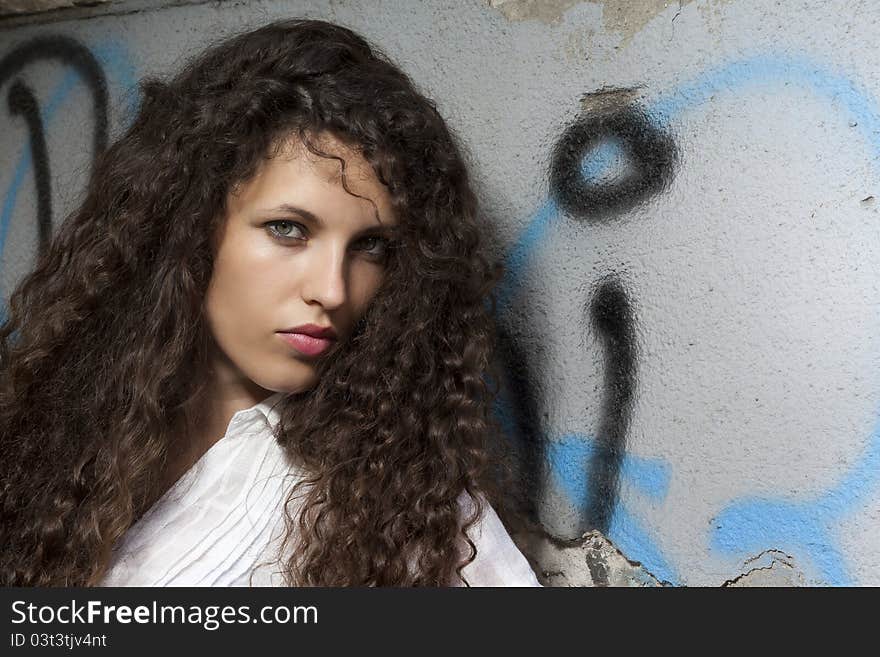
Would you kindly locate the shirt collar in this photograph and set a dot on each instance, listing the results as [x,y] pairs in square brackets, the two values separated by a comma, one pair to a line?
[265,411]
[268,408]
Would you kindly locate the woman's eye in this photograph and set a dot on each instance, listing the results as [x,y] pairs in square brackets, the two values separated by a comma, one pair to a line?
[285,229]
[374,246]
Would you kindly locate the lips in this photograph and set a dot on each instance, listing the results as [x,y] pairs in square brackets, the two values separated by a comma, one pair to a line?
[306,344]
[309,339]
[313,330]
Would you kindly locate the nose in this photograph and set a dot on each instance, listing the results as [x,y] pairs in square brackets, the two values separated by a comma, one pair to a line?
[325,280]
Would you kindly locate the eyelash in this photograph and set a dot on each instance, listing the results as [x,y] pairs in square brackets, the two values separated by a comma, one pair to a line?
[270,227]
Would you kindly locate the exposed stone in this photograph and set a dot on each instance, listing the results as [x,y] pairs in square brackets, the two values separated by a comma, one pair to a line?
[591,560]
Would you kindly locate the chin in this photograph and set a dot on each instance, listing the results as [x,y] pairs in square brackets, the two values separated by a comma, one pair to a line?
[288,384]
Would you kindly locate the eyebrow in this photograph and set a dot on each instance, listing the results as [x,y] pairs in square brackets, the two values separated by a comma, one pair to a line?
[311,216]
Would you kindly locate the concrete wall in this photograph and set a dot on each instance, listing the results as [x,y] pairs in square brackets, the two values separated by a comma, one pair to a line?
[686,194]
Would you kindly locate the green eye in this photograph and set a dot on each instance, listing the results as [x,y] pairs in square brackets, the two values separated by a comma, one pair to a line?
[285,229]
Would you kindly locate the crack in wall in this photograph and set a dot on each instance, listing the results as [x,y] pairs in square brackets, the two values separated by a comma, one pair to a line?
[780,570]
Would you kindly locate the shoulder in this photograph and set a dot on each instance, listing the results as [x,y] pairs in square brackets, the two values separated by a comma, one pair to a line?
[498,561]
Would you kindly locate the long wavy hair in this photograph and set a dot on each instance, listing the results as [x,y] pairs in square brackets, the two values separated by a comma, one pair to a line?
[106,343]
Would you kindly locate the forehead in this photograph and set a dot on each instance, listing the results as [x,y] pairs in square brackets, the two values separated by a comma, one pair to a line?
[331,177]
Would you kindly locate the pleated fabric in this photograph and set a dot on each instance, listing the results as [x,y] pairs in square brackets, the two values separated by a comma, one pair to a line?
[221,523]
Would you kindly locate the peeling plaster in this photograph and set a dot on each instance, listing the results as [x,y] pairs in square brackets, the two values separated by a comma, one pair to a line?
[625,17]
[546,11]
[608,98]
[591,560]
[628,18]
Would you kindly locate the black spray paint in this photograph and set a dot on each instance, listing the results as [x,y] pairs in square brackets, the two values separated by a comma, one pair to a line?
[611,316]
[529,437]
[649,157]
[22,103]
[649,154]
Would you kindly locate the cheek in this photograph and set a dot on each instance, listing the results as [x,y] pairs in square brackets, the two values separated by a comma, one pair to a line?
[241,306]
[240,298]
[252,266]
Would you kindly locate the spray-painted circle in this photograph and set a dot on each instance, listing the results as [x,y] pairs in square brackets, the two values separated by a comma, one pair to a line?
[650,162]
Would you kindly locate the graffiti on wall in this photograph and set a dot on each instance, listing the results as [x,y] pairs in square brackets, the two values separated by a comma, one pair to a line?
[84,66]
[604,164]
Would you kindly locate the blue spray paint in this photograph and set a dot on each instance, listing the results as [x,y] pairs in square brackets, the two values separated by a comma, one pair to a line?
[605,162]
[749,524]
[518,256]
[568,457]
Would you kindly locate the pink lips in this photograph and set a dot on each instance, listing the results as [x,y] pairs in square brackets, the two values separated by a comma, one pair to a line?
[309,339]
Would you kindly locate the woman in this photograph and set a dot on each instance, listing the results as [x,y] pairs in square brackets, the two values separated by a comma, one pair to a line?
[255,354]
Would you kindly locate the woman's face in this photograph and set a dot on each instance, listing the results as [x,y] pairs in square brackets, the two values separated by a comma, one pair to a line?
[296,249]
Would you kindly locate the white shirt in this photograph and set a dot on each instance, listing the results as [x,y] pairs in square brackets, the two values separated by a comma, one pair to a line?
[221,523]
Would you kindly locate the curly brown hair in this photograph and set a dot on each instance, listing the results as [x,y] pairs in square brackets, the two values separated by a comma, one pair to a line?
[106,342]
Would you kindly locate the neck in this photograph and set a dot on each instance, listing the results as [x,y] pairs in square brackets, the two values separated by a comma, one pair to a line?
[228,391]
[206,419]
